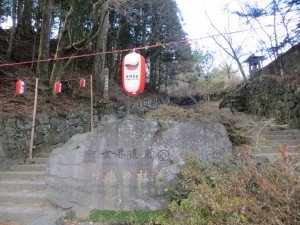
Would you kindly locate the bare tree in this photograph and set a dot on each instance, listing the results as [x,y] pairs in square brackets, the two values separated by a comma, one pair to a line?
[282,14]
[228,46]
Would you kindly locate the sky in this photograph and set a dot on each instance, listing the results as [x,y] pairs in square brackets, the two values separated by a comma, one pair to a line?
[195,18]
[195,14]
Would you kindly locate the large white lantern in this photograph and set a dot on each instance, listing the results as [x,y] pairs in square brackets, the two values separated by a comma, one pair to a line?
[133,73]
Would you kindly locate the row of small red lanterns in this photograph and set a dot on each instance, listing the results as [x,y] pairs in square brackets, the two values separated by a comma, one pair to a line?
[20,86]
[133,76]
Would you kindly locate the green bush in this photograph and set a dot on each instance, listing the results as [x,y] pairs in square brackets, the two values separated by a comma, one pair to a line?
[131,217]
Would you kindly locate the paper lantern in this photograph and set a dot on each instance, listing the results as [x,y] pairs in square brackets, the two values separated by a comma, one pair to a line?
[57,87]
[82,83]
[133,73]
[20,87]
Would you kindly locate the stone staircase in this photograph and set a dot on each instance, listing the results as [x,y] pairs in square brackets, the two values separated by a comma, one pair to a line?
[23,194]
[273,137]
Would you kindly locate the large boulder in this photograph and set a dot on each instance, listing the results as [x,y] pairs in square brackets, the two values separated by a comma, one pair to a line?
[119,165]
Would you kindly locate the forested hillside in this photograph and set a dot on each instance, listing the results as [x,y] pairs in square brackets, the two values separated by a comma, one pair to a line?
[46,31]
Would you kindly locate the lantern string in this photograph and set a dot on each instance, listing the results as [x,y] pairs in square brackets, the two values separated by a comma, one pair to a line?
[43,80]
[139,48]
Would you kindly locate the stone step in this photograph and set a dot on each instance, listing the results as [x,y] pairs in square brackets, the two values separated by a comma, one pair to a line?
[19,185]
[30,214]
[23,197]
[282,132]
[17,175]
[274,155]
[275,148]
[37,161]
[279,137]
[32,167]
[280,142]
[276,127]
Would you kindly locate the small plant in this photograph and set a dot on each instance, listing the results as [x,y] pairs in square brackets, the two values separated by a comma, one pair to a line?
[70,215]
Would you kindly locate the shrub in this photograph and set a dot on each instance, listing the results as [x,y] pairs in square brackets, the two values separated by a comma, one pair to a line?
[167,112]
[237,192]
[237,124]
[132,217]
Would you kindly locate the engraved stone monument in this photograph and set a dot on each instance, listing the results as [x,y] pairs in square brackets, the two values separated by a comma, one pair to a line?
[117,166]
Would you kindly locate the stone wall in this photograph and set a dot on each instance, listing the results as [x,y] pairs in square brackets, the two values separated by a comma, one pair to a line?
[267,96]
[186,100]
[273,91]
[53,131]
[50,132]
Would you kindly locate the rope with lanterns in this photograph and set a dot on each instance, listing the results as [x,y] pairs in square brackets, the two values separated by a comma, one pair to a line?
[133,83]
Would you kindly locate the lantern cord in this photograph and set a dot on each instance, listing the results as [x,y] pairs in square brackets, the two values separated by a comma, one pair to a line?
[145,47]
[43,80]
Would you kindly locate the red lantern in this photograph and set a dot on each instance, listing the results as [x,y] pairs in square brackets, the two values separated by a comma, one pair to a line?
[20,87]
[82,83]
[133,73]
[57,87]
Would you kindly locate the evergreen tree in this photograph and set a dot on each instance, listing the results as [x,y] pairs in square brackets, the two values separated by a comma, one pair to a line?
[99,25]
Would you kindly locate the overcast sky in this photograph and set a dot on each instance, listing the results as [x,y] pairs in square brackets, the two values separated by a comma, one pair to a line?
[195,14]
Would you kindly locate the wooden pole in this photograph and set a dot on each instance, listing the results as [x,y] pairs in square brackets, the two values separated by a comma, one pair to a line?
[33,117]
[92,102]
[128,105]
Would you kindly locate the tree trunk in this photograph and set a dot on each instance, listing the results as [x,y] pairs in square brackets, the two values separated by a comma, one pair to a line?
[42,67]
[160,74]
[65,48]
[38,18]
[154,51]
[236,58]
[62,42]
[13,30]
[20,5]
[275,29]
[153,74]
[101,41]
[110,58]
[24,27]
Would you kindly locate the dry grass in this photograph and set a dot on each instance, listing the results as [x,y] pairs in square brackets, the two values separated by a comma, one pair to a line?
[167,112]
[10,223]
[12,104]
[238,125]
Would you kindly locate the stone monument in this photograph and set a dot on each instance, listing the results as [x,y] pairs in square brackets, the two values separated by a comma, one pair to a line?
[118,165]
